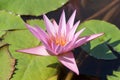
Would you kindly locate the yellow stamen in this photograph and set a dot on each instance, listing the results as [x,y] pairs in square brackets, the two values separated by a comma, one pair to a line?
[60,41]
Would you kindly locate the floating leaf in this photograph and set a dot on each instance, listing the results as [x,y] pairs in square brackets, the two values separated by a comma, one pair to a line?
[37,22]
[30,7]
[10,21]
[2,43]
[2,33]
[53,78]
[6,64]
[98,47]
[29,65]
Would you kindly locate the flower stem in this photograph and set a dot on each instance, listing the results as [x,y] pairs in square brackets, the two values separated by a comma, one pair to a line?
[69,76]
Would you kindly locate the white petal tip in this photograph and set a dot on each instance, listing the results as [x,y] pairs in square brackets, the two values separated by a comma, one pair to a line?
[83,28]
[100,34]
[77,73]
[63,14]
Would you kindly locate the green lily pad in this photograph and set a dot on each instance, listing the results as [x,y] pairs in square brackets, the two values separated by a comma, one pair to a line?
[2,33]
[98,47]
[2,43]
[30,7]
[29,65]
[37,22]
[6,64]
[10,21]
[115,76]
[53,78]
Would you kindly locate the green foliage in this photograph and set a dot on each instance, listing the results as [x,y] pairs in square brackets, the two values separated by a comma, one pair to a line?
[30,7]
[115,76]
[10,21]
[6,63]
[2,33]
[14,32]
[98,47]
[36,22]
[28,65]
[53,78]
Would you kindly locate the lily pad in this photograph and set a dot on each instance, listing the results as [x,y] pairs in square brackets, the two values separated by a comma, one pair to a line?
[10,21]
[2,43]
[98,47]
[37,22]
[7,63]
[2,33]
[30,7]
[53,78]
[29,65]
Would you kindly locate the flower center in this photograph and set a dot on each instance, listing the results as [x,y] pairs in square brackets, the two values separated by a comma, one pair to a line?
[60,41]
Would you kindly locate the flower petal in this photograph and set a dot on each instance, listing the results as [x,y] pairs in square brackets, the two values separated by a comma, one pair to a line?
[39,33]
[68,60]
[59,49]
[72,31]
[40,50]
[49,26]
[86,39]
[54,48]
[55,26]
[77,24]
[78,33]
[62,25]
[71,20]
[69,46]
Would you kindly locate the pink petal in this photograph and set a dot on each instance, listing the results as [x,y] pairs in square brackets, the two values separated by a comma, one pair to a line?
[39,33]
[55,26]
[40,50]
[59,49]
[54,48]
[86,39]
[62,25]
[49,26]
[51,52]
[69,45]
[72,31]
[77,23]
[68,60]
[78,33]
[71,20]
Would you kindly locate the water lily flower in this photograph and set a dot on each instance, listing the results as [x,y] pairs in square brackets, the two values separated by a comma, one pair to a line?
[59,40]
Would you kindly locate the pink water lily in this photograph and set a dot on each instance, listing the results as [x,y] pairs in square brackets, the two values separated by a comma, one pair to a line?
[59,40]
